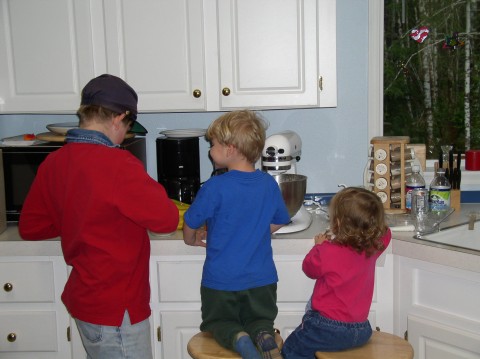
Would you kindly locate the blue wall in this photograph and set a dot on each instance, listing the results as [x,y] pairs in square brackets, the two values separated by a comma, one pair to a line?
[335,140]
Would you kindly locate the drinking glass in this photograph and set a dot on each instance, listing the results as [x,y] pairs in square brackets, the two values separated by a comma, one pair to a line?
[445,152]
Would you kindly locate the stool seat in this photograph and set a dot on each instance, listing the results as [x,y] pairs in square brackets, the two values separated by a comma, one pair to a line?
[203,346]
[380,346]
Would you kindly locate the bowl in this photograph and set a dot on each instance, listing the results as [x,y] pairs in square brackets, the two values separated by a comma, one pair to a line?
[62,128]
[293,188]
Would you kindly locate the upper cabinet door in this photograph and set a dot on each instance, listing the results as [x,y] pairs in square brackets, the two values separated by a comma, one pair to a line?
[46,54]
[269,53]
[179,55]
[157,47]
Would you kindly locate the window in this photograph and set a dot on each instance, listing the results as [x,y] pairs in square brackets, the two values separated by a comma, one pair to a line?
[432,72]
[470,180]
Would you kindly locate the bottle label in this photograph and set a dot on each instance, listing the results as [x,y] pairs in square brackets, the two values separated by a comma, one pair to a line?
[408,195]
[439,199]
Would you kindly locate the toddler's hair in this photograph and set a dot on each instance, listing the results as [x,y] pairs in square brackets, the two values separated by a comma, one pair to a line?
[357,219]
[243,129]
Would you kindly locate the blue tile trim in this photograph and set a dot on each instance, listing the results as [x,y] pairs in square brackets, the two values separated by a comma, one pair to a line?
[470,197]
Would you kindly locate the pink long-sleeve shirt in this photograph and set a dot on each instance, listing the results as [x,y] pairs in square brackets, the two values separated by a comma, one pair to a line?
[344,280]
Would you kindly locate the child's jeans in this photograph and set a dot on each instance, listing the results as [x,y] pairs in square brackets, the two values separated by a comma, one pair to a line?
[317,333]
[127,341]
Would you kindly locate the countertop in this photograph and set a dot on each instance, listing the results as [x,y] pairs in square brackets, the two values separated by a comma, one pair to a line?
[289,244]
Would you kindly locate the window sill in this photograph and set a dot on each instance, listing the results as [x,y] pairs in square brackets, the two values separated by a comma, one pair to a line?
[470,179]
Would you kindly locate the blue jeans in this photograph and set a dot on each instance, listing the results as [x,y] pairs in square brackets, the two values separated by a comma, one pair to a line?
[125,342]
[317,333]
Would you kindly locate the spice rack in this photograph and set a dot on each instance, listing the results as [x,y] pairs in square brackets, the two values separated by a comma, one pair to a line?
[389,162]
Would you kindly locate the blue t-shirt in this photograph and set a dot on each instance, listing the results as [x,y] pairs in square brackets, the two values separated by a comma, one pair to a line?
[238,208]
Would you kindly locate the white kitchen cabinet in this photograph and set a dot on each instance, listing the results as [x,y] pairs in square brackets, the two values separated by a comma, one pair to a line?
[179,55]
[269,51]
[176,306]
[175,302]
[46,54]
[438,306]
[158,47]
[177,328]
[33,320]
[222,55]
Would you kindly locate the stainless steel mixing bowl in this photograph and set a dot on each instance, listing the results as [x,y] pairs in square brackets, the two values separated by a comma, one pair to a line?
[293,188]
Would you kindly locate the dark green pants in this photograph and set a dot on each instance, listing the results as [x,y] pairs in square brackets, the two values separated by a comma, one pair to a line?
[225,314]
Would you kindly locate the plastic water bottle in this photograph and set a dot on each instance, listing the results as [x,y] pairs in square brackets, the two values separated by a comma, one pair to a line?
[414,180]
[440,192]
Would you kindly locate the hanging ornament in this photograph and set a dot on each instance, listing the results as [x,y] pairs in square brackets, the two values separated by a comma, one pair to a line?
[452,42]
[420,34]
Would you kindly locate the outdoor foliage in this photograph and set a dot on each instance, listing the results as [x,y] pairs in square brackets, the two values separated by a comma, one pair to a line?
[432,84]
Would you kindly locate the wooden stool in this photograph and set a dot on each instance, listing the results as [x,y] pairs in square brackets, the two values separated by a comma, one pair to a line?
[203,346]
[380,346]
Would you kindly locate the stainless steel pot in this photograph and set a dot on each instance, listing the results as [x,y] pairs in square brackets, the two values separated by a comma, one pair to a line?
[293,188]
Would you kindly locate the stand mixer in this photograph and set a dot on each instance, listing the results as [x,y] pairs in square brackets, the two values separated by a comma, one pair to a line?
[280,155]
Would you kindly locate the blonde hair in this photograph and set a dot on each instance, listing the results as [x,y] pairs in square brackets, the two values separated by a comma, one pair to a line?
[99,114]
[243,129]
[357,219]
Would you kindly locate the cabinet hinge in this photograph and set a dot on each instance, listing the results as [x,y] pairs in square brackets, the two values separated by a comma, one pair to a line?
[405,336]
[159,334]
[320,83]
[69,338]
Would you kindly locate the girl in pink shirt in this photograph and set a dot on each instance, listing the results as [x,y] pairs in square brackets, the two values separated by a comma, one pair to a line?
[342,262]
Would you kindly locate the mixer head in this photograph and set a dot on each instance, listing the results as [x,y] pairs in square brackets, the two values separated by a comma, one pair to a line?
[281,152]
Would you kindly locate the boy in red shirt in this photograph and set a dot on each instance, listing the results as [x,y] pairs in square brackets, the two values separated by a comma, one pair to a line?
[100,201]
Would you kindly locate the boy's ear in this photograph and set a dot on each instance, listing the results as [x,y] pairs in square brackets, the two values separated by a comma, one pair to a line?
[231,150]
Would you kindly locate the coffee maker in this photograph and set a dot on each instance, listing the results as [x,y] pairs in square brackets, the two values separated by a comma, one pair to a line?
[178,167]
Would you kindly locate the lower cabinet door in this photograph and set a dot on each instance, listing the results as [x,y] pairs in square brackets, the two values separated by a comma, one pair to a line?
[434,340]
[31,334]
[176,329]
[287,321]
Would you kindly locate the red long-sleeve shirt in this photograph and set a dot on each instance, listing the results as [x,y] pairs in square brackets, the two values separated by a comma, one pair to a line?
[100,201]
[344,280]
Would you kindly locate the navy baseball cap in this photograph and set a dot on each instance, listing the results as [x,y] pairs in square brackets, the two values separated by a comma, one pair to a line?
[111,92]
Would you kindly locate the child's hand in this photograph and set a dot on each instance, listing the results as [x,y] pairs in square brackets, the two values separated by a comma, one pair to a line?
[200,237]
[321,237]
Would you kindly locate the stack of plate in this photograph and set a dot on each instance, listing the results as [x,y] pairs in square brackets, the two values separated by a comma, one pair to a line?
[62,128]
[184,133]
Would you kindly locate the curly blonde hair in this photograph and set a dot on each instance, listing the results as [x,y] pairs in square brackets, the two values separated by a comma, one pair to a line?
[243,129]
[357,219]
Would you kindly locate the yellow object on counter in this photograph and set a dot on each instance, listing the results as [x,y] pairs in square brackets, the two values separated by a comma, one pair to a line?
[182,208]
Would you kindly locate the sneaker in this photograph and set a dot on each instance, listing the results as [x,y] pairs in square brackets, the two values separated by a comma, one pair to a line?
[267,346]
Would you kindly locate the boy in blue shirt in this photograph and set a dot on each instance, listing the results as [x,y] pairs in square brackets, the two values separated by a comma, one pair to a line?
[241,209]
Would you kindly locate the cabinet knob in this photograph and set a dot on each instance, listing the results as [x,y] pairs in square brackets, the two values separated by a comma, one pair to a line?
[11,337]
[226,91]
[197,93]
[7,287]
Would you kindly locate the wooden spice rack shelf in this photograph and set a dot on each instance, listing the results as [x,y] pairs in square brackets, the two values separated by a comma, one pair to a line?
[389,157]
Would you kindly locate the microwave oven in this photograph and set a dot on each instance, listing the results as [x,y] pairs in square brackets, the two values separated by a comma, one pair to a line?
[20,165]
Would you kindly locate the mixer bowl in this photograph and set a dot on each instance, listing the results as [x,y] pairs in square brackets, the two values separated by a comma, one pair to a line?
[293,188]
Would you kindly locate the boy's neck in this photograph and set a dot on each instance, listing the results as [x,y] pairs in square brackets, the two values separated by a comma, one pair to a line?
[242,166]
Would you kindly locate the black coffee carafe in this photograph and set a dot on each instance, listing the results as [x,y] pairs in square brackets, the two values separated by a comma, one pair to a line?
[178,167]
